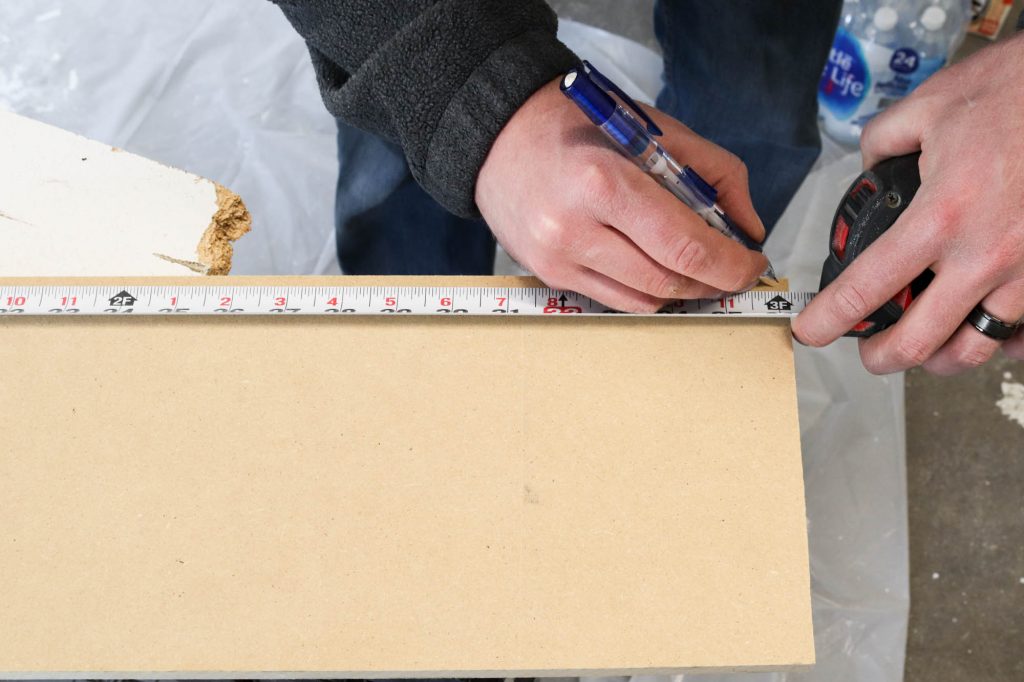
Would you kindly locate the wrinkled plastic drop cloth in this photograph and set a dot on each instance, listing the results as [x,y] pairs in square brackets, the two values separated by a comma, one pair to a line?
[225,89]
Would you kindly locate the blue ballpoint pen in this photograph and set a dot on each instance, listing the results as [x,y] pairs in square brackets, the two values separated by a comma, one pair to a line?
[589,89]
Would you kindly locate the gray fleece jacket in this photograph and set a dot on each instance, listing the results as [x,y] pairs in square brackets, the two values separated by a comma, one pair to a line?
[438,77]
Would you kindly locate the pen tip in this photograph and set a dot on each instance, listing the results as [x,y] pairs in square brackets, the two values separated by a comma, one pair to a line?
[769,278]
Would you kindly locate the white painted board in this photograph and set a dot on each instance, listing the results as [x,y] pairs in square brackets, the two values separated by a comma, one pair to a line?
[74,206]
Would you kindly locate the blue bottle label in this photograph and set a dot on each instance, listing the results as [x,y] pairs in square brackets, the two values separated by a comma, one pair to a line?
[861,79]
[846,79]
[896,74]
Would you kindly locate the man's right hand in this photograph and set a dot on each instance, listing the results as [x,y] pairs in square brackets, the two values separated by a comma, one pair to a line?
[573,210]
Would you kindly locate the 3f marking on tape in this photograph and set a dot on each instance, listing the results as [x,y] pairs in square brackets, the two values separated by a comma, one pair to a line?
[359,300]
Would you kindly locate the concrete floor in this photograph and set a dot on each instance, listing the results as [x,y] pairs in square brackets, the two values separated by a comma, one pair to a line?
[965,483]
[965,464]
[965,477]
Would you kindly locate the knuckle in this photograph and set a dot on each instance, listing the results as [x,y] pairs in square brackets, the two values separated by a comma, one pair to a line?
[948,210]
[851,302]
[1004,258]
[689,257]
[910,350]
[555,236]
[972,356]
[598,186]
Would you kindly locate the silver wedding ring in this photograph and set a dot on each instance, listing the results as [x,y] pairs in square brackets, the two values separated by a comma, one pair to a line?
[990,325]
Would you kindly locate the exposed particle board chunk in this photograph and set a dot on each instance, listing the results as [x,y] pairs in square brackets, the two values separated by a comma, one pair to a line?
[73,206]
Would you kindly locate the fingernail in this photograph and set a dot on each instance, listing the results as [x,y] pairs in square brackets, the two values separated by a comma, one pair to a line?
[793,334]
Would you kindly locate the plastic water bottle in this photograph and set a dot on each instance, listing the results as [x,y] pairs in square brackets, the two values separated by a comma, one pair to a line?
[881,30]
[884,49]
[931,35]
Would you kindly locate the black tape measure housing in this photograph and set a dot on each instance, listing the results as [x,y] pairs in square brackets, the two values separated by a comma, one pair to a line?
[873,202]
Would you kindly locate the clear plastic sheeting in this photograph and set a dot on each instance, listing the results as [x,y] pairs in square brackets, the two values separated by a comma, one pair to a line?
[225,89]
[852,428]
[852,432]
[222,89]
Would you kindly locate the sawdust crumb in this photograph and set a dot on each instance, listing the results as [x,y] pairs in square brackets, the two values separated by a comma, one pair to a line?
[229,223]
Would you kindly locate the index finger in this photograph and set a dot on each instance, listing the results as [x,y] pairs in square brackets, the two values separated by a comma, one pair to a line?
[676,237]
[894,132]
[723,170]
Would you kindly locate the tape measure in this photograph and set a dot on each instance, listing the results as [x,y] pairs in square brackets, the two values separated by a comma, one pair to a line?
[358,300]
[870,206]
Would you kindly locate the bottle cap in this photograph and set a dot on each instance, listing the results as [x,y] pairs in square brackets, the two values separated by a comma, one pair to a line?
[933,18]
[886,18]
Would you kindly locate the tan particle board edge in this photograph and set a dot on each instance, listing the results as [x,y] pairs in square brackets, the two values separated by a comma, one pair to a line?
[72,206]
[399,497]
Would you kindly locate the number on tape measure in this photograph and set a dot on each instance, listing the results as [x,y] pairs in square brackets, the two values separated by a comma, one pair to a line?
[343,300]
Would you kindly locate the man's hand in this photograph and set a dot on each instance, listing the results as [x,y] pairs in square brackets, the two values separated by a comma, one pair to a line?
[573,210]
[966,222]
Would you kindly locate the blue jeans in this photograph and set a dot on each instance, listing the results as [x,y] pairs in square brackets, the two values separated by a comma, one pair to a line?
[743,74]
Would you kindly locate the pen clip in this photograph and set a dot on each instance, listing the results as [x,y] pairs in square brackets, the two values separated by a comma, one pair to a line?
[602,82]
[709,192]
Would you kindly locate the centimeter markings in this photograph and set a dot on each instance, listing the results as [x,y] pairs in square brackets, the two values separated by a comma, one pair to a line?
[342,300]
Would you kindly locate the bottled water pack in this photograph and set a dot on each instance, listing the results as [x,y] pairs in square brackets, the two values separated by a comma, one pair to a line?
[884,49]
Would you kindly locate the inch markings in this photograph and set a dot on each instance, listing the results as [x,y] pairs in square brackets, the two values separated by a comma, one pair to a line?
[360,300]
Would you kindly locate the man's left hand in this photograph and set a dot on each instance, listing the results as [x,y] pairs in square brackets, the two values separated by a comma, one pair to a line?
[966,222]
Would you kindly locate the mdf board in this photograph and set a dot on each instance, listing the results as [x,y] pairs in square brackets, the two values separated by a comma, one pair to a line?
[382,497]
